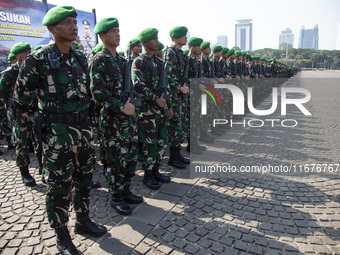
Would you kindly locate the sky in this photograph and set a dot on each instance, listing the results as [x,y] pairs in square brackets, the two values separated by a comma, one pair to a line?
[208,19]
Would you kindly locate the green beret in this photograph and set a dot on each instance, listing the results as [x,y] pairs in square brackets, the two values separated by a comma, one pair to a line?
[97,48]
[57,14]
[147,34]
[225,50]
[231,52]
[11,56]
[105,25]
[238,53]
[195,41]
[121,53]
[248,55]
[243,53]
[127,50]
[186,52]
[177,32]
[37,48]
[160,46]
[217,48]
[211,55]
[20,47]
[134,42]
[205,45]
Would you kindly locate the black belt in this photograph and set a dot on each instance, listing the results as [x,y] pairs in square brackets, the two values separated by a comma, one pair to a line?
[76,117]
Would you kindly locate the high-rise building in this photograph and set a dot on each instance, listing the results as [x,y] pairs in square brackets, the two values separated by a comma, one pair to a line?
[309,38]
[338,39]
[222,40]
[244,34]
[286,37]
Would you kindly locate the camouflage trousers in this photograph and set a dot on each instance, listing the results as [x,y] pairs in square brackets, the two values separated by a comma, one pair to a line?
[121,151]
[185,118]
[23,137]
[153,136]
[5,128]
[66,167]
[175,129]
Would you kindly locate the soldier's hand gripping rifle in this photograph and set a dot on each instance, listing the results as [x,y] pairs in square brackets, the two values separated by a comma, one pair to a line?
[185,79]
[128,92]
[224,69]
[161,89]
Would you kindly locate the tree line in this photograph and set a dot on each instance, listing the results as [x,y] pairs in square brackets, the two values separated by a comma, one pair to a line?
[304,58]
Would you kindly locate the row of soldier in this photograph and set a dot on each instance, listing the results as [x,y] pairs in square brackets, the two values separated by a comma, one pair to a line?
[142,108]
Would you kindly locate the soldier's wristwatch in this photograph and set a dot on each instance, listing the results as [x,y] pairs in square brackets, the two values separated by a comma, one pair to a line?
[121,108]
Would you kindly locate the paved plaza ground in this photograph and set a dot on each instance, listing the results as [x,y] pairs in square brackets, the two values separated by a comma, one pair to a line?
[296,211]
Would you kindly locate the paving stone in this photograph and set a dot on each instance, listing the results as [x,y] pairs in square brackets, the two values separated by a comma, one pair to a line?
[14,243]
[182,233]
[179,243]
[193,238]
[240,245]
[191,248]
[25,250]
[204,242]
[234,234]
[255,249]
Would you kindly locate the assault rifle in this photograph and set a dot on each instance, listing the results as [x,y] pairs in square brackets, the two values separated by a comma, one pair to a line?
[161,89]
[128,92]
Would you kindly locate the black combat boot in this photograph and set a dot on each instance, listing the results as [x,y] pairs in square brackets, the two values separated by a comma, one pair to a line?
[26,177]
[64,242]
[174,160]
[131,198]
[1,152]
[181,158]
[158,176]
[205,138]
[84,225]
[9,143]
[150,181]
[119,204]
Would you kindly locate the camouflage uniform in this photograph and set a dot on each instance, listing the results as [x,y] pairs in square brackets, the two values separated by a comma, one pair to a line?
[174,72]
[154,120]
[7,83]
[68,151]
[119,131]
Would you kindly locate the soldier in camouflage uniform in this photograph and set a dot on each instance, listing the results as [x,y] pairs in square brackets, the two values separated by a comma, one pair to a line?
[5,119]
[153,123]
[216,69]
[22,127]
[194,44]
[58,74]
[136,48]
[107,74]
[175,66]
[226,76]
[206,73]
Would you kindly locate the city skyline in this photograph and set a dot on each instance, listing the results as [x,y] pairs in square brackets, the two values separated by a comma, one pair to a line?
[195,15]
